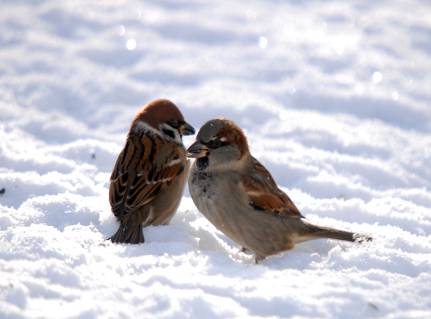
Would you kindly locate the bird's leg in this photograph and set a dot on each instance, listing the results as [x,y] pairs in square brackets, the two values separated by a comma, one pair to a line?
[258,258]
[245,250]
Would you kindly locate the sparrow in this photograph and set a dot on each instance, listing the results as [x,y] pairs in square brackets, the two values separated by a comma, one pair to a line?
[238,195]
[150,173]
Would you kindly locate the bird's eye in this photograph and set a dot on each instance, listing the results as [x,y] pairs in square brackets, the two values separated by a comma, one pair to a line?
[174,123]
[214,143]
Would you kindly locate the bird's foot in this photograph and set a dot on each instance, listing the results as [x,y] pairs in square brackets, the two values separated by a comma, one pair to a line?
[258,259]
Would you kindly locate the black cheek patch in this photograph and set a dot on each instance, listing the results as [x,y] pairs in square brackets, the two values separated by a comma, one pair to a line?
[168,133]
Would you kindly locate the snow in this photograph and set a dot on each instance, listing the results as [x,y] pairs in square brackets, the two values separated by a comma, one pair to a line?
[334,97]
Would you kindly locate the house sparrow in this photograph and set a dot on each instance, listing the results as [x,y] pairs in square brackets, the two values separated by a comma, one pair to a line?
[150,173]
[240,198]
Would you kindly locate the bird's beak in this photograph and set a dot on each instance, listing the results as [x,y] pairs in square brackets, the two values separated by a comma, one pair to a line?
[187,129]
[197,150]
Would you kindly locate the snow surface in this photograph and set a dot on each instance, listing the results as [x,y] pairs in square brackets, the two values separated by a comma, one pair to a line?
[334,97]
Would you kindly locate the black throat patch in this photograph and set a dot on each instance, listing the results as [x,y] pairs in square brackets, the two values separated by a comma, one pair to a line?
[202,163]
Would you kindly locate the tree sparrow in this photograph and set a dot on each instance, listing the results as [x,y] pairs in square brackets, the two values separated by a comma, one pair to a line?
[240,198]
[150,173]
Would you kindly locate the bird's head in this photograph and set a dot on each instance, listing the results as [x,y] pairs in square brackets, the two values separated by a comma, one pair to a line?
[219,143]
[163,116]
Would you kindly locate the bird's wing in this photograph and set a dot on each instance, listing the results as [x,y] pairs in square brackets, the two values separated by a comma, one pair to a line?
[264,195]
[137,178]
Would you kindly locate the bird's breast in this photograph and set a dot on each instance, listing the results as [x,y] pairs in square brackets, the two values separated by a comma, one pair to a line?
[214,196]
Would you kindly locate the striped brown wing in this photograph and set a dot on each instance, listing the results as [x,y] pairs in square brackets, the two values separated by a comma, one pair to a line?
[139,176]
[264,195]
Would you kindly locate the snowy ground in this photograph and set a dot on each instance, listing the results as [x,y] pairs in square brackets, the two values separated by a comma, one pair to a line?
[334,97]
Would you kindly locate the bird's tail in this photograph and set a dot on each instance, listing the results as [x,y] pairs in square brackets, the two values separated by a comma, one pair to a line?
[129,234]
[314,231]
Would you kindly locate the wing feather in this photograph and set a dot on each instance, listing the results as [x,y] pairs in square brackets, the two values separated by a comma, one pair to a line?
[137,178]
[264,195]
